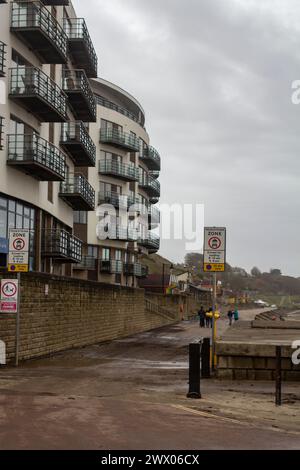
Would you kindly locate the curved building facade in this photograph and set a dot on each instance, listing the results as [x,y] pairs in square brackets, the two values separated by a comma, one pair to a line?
[76,165]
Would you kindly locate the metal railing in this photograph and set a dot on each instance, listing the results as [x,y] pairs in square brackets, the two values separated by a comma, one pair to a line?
[76,29]
[2,58]
[1,132]
[151,240]
[88,263]
[76,132]
[122,170]
[148,183]
[101,101]
[136,269]
[76,80]
[154,214]
[56,2]
[33,148]
[33,14]
[111,266]
[150,153]
[78,184]
[31,81]
[120,138]
[60,244]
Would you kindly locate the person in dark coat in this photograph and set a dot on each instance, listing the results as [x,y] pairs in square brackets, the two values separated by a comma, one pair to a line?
[230,316]
[201,314]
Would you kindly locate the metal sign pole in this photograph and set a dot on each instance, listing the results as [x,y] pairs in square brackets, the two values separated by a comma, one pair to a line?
[17,342]
[213,352]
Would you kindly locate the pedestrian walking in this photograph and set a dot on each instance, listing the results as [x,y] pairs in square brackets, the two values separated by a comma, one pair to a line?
[236,315]
[201,314]
[230,316]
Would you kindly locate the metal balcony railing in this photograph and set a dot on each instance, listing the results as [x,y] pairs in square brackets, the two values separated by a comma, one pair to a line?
[150,185]
[78,193]
[154,215]
[33,22]
[76,141]
[56,2]
[36,156]
[136,269]
[120,139]
[151,242]
[1,132]
[111,266]
[40,95]
[81,47]
[81,97]
[121,170]
[101,101]
[88,263]
[61,246]
[2,58]
[151,158]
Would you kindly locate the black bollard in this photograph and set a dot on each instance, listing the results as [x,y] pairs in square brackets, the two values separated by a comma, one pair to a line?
[205,359]
[194,370]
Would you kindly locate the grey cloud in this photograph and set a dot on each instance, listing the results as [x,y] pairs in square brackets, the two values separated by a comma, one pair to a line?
[215,80]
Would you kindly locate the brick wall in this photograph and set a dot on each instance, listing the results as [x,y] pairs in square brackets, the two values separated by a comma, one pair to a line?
[246,361]
[73,314]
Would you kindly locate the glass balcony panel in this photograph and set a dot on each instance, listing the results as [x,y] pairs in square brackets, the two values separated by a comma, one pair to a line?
[36,156]
[119,139]
[76,141]
[36,92]
[35,25]
[123,171]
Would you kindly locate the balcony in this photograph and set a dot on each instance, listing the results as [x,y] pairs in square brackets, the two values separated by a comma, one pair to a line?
[151,158]
[56,2]
[38,94]
[36,157]
[2,58]
[151,242]
[154,217]
[81,47]
[61,246]
[121,171]
[81,98]
[119,233]
[150,185]
[119,139]
[77,143]
[111,267]
[35,26]
[88,263]
[78,193]
[1,132]
[136,269]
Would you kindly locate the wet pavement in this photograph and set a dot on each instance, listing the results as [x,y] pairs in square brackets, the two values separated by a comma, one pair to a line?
[131,394]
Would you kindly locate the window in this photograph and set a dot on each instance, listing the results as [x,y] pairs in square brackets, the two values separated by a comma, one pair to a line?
[105,254]
[93,251]
[111,157]
[110,126]
[17,215]
[118,255]
[80,217]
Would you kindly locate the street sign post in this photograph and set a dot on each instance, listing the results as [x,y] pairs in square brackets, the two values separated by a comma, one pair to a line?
[18,256]
[214,259]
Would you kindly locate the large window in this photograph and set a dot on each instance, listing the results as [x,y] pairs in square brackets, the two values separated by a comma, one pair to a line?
[80,217]
[15,214]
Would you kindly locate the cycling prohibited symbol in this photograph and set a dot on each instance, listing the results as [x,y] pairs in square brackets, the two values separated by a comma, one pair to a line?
[9,296]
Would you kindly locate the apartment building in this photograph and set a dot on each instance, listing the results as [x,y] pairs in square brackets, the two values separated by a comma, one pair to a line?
[69,143]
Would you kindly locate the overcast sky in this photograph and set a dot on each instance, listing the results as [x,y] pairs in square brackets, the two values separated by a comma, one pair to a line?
[214,77]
